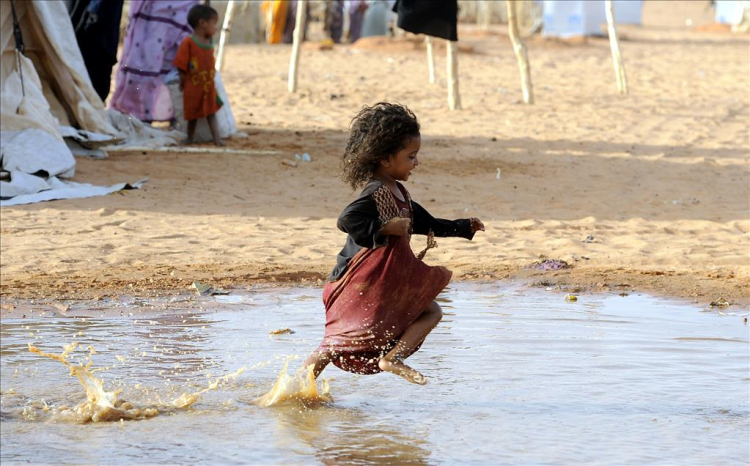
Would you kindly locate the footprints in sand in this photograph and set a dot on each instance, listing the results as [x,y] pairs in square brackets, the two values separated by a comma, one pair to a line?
[175,236]
[109,224]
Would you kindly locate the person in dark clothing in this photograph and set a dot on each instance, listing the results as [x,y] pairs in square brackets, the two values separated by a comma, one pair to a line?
[437,18]
[97,28]
[333,23]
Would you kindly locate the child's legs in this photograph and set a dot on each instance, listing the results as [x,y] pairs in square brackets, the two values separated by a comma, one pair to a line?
[191,129]
[416,333]
[320,359]
[413,336]
[214,125]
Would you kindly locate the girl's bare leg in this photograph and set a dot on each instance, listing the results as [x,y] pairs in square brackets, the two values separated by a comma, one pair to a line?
[319,360]
[393,362]
[214,130]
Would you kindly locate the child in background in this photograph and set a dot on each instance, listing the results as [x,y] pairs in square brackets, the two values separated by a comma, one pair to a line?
[380,298]
[195,62]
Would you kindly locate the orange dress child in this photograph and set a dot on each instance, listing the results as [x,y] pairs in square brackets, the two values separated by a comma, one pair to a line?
[199,95]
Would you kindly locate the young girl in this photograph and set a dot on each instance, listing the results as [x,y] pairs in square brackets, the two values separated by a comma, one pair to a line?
[380,298]
[195,62]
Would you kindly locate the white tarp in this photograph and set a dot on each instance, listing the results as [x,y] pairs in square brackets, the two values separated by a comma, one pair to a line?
[139,134]
[53,188]
[730,11]
[586,17]
[52,47]
[50,155]
[45,92]
[224,117]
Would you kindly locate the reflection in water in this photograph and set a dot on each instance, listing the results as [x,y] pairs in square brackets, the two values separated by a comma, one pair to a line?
[347,436]
[516,376]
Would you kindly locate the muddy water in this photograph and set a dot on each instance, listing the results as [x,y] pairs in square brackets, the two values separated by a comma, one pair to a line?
[517,376]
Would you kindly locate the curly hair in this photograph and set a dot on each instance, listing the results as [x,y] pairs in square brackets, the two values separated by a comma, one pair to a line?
[375,134]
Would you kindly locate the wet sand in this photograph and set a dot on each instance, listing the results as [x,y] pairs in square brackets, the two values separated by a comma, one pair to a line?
[659,178]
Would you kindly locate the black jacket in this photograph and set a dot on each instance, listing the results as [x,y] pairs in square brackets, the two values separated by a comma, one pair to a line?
[362,220]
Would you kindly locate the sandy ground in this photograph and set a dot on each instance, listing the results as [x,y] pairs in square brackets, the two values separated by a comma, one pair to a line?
[658,178]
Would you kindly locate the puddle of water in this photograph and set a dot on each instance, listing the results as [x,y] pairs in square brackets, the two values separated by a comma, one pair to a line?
[517,376]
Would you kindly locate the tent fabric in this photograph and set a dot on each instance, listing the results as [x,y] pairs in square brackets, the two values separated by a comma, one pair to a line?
[51,46]
[17,111]
[155,31]
[45,86]
[586,17]
[139,134]
[51,156]
[437,18]
[375,19]
[225,121]
[731,11]
[56,189]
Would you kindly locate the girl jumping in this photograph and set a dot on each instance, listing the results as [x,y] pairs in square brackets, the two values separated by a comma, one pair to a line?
[380,298]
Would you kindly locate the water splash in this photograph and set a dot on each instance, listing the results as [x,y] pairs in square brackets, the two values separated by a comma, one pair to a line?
[187,399]
[100,405]
[300,388]
[104,406]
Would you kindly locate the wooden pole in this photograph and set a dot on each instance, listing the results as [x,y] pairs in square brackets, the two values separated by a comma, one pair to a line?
[224,37]
[430,59]
[521,54]
[454,99]
[614,44]
[299,31]
[484,14]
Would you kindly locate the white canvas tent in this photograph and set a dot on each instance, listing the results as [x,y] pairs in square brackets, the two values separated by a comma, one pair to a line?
[731,11]
[56,83]
[43,88]
[585,17]
[45,92]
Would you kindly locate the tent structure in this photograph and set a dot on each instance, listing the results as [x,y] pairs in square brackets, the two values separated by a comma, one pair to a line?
[45,93]
[43,88]
[585,17]
[47,85]
[734,12]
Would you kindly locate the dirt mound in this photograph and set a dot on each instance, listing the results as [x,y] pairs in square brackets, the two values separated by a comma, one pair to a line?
[714,27]
[405,44]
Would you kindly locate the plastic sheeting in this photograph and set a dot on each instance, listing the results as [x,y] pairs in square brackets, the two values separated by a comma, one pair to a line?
[730,11]
[136,133]
[50,155]
[224,117]
[53,188]
[58,66]
[55,89]
[586,17]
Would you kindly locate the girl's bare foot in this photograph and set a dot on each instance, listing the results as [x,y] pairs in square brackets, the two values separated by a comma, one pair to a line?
[219,142]
[400,369]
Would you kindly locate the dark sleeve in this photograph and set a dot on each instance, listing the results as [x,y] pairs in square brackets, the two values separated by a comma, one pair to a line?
[424,223]
[361,222]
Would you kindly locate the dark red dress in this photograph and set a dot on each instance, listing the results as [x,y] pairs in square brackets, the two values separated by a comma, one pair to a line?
[382,289]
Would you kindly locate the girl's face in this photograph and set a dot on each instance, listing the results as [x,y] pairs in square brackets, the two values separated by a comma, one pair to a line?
[400,166]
